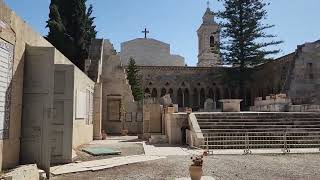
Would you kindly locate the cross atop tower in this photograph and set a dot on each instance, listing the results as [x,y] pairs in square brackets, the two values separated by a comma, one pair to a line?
[145,32]
[208,4]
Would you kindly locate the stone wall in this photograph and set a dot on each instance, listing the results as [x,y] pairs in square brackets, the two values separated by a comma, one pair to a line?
[191,86]
[149,52]
[119,110]
[15,31]
[83,127]
[305,78]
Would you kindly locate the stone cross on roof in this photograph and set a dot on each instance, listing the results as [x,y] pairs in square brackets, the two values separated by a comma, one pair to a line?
[145,32]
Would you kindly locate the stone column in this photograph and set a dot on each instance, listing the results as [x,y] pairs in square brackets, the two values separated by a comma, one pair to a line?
[97,116]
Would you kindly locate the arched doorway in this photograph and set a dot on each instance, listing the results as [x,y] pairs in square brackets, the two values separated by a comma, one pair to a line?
[186,97]
[195,99]
[154,93]
[202,97]
[180,97]
[163,92]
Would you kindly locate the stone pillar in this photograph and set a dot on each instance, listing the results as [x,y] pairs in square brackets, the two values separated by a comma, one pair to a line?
[97,112]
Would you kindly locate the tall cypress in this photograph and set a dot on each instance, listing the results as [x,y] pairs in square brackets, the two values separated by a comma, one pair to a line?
[245,43]
[134,80]
[78,29]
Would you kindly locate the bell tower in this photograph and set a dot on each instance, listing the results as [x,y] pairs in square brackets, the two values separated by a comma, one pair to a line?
[209,38]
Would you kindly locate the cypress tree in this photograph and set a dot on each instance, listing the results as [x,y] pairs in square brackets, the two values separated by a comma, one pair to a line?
[245,43]
[78,29]
[134,80]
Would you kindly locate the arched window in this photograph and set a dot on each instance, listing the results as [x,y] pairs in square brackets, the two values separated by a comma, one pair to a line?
[154,93]
[218,97]
[248,97]
[180,98]
[211,94]
[226,93]
[147,91]
[202,97]
[195,99]
[163,92]
[186,98]
[212,42]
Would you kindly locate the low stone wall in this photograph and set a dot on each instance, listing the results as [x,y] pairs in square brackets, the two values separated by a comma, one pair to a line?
[304,108]
[194,135]
[273,103]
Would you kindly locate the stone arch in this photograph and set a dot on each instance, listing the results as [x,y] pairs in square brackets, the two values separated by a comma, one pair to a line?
[233,94]
[202,97]
[163,92]
[154,93]
[180,97]
[195,98]
[171,92]
[211,94]
[226,93]
[147,91]
[248,97]
[186,97]
[218,97]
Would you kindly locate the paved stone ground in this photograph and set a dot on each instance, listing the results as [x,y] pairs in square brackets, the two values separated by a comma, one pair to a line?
[221,167]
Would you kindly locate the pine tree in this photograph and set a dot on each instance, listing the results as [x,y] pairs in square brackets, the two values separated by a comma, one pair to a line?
[134,80]
[78,29]
[245,43]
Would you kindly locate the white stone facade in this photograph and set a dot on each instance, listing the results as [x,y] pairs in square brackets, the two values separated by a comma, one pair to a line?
[149,52]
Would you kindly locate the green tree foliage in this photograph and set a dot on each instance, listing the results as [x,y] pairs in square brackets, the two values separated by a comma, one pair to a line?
[134,80]
[71,28]
[245,41]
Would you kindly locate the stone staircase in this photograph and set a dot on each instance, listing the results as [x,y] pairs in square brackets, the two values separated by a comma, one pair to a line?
[260,130]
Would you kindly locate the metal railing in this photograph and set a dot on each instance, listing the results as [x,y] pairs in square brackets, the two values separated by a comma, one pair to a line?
[247,141]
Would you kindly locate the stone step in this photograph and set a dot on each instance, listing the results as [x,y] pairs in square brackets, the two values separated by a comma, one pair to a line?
[257,116]
[250,126]
[259,130]
[260,146]
[261,123]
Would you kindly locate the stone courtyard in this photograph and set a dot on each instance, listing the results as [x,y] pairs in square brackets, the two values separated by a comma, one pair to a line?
[221,167]
[52,113]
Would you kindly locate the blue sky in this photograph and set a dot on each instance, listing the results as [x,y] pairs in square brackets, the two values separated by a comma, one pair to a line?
[176,21]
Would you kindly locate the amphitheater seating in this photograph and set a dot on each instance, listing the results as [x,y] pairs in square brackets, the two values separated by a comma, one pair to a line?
[260,130]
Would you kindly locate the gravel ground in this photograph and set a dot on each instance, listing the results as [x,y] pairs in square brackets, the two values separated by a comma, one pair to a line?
[221,167]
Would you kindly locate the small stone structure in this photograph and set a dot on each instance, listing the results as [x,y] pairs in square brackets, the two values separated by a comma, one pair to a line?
[272,103]
[231,105]
[209,105]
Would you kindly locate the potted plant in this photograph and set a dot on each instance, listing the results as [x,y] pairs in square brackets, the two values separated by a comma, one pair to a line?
[196,168]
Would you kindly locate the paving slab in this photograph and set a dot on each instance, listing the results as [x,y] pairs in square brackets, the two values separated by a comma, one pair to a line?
[101,164]
[100,151]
